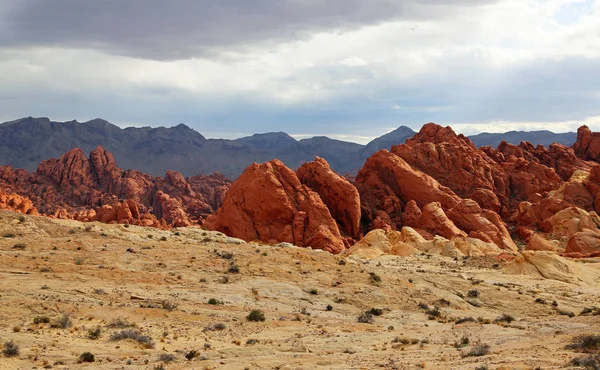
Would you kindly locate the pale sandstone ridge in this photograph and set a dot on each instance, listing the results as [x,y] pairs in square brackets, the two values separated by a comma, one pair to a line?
[268,203]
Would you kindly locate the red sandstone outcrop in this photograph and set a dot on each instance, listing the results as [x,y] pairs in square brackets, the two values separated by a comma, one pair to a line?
[17,203]
[338,194]
[69,187]
[587,145]
[268,203]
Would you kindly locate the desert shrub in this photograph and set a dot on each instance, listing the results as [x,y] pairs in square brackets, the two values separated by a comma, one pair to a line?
[214,301]
[167,357]
[63,322]
[589,362]
[41,320]
[119,323]
[590,311]
[87,357]
[191,355]
[20,246]
[11,349]
[464,341]
[8,235]
[163,238]
[313,291]
[423,306]
[585,343]
[215,327]
[505,318]
[329,307]
[94,333]
[256,315]
[21,219]
[375,278]
[134,335]
[478,350]
[168,305]
[433,312]
[473,293]
[233,268]
[565,313]
[465,319]
[376,311]
[366,318]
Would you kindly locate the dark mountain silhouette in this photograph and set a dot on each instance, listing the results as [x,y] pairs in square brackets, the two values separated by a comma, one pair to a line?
[26,142]
[542,137]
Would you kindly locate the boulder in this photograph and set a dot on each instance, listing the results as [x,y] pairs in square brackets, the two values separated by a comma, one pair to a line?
[268,203]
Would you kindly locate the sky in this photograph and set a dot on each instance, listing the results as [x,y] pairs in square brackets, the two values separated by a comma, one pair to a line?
[348,69]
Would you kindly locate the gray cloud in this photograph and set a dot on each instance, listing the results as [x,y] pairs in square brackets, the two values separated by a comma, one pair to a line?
[179,29]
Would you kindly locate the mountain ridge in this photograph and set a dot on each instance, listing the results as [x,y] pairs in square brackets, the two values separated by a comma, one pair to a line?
[27,141]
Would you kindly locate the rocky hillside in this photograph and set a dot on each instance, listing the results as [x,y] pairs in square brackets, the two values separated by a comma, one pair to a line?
[437,191]
[435,187]
[95,188]
[542,137]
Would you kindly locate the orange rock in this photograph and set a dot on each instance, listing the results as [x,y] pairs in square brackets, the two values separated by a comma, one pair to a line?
[16,203]
[585,242]
[268,203]
[587,145]
[338,194]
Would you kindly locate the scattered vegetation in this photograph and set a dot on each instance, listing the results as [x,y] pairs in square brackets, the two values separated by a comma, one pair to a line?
[590,311]
[464,341]
[256,315]
[233,268]
[20,246]
[94,333]
[215,302]
[473,293]
[505,318]
[120,323]
[464,320]
[192,355]
[87,357]
[41,320]
[375,278]
[134,335]
[591,362]
[366,318]
[11,349]
[215,327]
[63,322]
[167,357]
[480,349]
[376,311]
[168,305]
[585,343]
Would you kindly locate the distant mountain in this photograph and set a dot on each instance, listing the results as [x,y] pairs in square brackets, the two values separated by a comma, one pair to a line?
[26,142]
[543,137]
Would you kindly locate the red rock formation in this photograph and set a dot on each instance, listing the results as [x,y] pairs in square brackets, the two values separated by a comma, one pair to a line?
[387,183]
[16,203]
[584,242]
[338,194]
[455,162]
[587,145]
[69,186]
[268,203]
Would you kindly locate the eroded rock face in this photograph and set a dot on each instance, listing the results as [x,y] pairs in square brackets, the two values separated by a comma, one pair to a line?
[268,203]
[338,194]
[387,183]
[454,162]
[584,242]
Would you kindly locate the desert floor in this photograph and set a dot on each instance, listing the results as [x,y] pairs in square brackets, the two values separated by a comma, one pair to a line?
[160,282]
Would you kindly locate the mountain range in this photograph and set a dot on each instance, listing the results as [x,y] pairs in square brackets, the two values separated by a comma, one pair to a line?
[27,141]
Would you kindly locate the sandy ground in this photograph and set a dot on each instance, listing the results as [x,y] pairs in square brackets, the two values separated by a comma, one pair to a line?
[161,281]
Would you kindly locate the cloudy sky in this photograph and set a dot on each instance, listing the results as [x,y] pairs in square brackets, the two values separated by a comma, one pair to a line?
[350,69]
